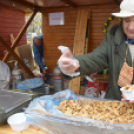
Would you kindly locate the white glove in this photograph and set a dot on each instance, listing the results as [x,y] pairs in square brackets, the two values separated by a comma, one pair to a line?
[67,63]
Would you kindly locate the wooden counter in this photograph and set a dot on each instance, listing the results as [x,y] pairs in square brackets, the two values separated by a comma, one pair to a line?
[101,78]
[6,129]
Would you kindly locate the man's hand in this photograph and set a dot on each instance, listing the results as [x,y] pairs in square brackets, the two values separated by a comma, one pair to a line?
[123,99]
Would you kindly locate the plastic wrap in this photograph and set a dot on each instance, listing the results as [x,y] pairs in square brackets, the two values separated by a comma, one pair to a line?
[42,113]
[30,84]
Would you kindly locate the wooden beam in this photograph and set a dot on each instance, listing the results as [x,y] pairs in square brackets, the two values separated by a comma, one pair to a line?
[27,4]
[10,4]
[79,44]
[98,4]
[116,2]
[16,57]
[19,36]
[70,3]
[11,38]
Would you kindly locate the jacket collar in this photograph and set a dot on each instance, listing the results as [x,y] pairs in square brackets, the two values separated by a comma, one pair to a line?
[120,37]
[121,45]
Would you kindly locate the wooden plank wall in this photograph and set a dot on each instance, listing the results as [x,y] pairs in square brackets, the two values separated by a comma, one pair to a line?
[98,17]
[55,36]
[11,22]
[64,35]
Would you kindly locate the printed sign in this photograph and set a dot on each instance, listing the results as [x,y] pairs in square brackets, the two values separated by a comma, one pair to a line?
[56,18]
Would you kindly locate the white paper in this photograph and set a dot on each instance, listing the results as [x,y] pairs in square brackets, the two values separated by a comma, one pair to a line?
[56,18]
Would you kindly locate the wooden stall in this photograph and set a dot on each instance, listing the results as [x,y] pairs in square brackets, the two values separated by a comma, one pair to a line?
[80,16]
[55,36]
[67,35]
[64,35]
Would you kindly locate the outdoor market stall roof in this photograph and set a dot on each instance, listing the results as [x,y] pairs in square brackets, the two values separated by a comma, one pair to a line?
[53,3]
[38,4]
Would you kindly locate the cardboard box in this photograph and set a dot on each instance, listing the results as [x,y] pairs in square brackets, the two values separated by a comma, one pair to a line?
[24,52]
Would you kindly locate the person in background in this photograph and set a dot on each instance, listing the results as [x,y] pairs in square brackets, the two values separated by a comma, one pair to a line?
[115,52]
[38,52]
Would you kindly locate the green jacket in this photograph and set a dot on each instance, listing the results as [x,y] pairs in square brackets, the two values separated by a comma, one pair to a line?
[110,54]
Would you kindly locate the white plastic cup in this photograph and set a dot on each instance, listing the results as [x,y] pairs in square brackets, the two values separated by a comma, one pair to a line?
[128,94]
[18,122]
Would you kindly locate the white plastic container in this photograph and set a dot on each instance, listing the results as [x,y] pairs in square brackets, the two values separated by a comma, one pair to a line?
[18,122]
[128,94]
[46,89]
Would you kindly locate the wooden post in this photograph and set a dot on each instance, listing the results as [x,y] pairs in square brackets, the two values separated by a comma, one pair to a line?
[3,42]
[19,36]
[79,44]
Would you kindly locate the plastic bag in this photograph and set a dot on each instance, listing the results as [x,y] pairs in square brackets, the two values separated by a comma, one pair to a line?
[4,75]
[30,84]
[91,88]
[42,113]
[72,60]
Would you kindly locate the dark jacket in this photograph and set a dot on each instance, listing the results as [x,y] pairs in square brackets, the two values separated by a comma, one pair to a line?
[38,53]
[110,54]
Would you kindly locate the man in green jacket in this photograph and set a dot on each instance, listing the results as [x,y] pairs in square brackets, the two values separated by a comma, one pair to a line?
[110,54]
